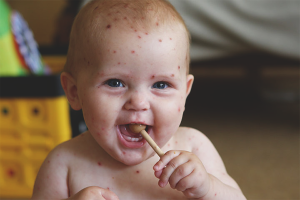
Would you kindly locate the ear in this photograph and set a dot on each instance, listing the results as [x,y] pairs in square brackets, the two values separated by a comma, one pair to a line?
[189,83]
[69,85]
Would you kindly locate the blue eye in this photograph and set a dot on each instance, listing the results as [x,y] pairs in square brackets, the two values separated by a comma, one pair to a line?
[114,83]
[160,85]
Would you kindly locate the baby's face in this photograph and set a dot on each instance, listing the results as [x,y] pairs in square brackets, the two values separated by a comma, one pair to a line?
[134,77]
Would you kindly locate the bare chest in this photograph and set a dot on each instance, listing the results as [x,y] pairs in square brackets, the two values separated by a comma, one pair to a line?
[126,184]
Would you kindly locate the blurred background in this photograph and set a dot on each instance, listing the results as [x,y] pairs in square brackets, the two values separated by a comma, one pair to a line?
[245,59]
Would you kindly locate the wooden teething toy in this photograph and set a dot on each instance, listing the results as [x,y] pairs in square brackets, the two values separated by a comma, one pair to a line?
[138,128]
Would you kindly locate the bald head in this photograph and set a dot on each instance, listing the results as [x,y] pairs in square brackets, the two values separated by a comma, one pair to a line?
[98,18]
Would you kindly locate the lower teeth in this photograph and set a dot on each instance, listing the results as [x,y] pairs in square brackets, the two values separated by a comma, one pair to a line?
[132,139]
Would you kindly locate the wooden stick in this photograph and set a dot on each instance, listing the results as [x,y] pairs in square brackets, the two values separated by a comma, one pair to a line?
[151,142]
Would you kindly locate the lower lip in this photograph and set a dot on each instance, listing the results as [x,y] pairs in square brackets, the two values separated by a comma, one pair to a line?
[127,144]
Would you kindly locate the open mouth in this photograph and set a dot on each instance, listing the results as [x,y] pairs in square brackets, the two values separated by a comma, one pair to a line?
[128,138]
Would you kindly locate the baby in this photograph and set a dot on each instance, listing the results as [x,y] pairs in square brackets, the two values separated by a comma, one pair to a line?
[128,63]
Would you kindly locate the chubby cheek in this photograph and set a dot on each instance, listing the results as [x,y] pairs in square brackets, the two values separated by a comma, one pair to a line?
[99,113]
[168,119]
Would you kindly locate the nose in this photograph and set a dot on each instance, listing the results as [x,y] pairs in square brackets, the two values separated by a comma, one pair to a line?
[137,102]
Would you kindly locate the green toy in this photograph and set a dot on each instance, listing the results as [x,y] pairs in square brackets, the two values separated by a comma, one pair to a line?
[19,55]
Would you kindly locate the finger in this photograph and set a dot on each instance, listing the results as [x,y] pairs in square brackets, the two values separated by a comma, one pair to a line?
[157,173]
[109,195]
[181,172]
[165,159]
[170,168]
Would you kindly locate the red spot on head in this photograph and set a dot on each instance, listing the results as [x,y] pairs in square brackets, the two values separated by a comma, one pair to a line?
[139,37]
[126,5]
[170,38]
[11,172]
[215,194]
[125,18]
[102,128]
[108,188]
[176,142]
[179,109]
[99,163]
[135,30]
[132,51]
[108,26]
[119,63]
[115,19]
[157,24]
[96,8]
[137,171]
[124,152]
[160,40]
[178,67]
[153,76]
[115,51]
[172,75]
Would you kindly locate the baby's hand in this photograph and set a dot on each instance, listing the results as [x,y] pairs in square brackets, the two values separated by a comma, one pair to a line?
[184,172]
[94,193]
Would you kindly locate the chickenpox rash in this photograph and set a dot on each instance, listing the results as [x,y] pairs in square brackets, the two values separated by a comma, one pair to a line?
[172,75]
[139,37]
[146,33]
[137,171]
[178,67]
[153,76]
[170,38]
[99,164]
[119,63]
[124,152]
[179,109]
[10,172]
[157,24]
[125,18]
[132,51]
[114,51]
[108,26]
[160,40]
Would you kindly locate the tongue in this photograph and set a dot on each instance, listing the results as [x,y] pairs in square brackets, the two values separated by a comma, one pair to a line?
[125,130]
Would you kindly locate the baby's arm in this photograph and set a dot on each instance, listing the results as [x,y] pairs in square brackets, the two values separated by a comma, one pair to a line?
[198,179]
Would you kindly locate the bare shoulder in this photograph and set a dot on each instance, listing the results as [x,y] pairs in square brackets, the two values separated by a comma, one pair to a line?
[199,144]
[53,174]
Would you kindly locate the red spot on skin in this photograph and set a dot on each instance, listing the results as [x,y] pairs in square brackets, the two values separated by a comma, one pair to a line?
[132,51]
[137,171]
[153,76]
[57,154]
[178,109]
[11,172]
[178,67]
[99,163]
[135,30]
[160,40]
[125,18]
[96,8]
[146,33]
[216,194]
[168,145]
[124,152]
[88,62]
[115,19]
[176,142]
[108,188]
[170,38]
[48,161]
[102,129]
[172,75]
[157,24]
[126,5]
[108,26]
[119,63]
[139,37]
[108,14]
[114,51]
